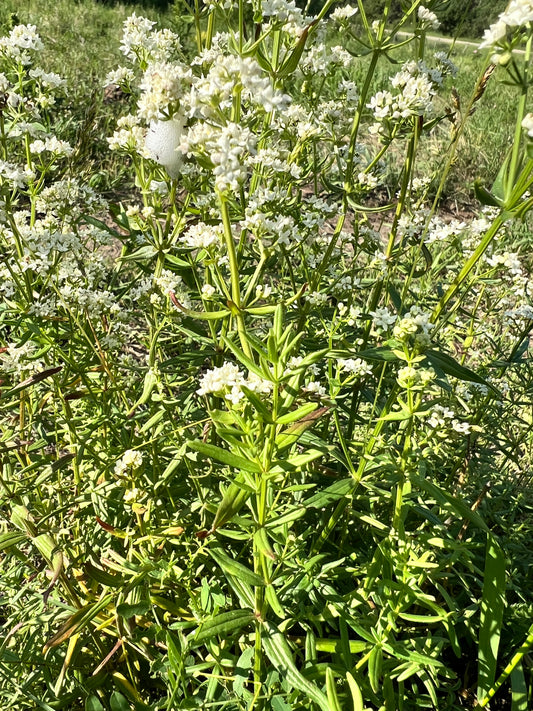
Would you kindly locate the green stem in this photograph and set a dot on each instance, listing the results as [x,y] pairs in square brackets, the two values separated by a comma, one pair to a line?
[197,26]
[241,25]
[517,144]
[234,275]
[357,121]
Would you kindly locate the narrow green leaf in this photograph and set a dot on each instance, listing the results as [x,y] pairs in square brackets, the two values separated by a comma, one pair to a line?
[451,367]
[145,252]
[375,661]
[223,625]
[291,62]
[333,699]
[285,519]
[379,354]
[338,490]
[222,455]
[273,600]
[258,405]
[235,569]
[243,591]
[411,656]
[232,502]
[296,462]
[491,615]
[421,619]
[242,358]
[32,380]
[519,701]
[127,610]
[298,414]
[442,497]
[355,691]
[88,219]
[484,196]
[150,381]
[279,653]
[77,621]
[11,538]
[263,544]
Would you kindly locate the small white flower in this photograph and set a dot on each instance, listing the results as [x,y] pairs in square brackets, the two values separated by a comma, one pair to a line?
[527,124]
[343,13]
[383,318]
[131,460]
[355,366]
[428,18]
[315,387]
[208,290]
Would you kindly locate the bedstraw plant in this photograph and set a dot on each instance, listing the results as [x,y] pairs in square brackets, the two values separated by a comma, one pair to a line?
[262,431]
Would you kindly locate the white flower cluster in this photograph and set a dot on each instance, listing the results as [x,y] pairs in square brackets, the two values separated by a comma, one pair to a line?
[427,18]
[164,86]
[523,311]
[286,14]
[444,418]
[275,160]
[214,91]
[168,282]
[440,231]
[445,65]
[129,135]
[383,318]
[517,15]
[316,299]
[508,260]
[202,236]
[20,360]
[315,388]
[16,176]
[355,366]
[321,59]
[51,144]
[420,378]
[414,323]
[131,460]
[67,199]
[223,4]
[279,229]
[76,268]
[191,115]
[49,80]
[139,42]
[226,148]
[343,13]
[415,85]
[227,381]
[21,42]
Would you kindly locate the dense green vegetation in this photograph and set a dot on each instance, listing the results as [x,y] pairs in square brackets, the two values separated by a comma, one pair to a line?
[266,426]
